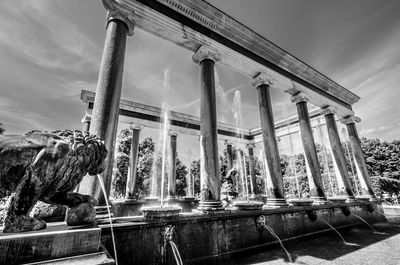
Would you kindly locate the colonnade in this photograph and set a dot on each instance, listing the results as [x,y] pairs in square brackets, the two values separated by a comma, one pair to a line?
[104,122]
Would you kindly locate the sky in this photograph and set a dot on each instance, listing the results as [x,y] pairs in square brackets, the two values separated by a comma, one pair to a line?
[51,49]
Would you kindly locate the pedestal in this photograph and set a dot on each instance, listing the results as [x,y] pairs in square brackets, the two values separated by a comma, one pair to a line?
[56,243]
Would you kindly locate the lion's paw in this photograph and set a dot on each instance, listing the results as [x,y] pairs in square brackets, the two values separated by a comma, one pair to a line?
[24,224]
[81,214]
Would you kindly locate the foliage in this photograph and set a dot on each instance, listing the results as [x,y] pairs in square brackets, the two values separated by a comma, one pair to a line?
[181,172]
[144,167]
[121,164]
[383,163]
[2,130]
[295,179]
[195,174]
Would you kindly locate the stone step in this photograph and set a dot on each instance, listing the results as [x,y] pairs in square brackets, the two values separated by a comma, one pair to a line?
[86,259]
[103,216]
[55,242]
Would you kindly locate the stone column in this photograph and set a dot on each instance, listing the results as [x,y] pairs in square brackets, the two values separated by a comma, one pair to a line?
[209,177]
[86,123]
[275,191]
[339,160]
[229,154]
[108,94]
[359,159]
[314,173]
[172,168]
[133,160]
[252,166]
[229,157]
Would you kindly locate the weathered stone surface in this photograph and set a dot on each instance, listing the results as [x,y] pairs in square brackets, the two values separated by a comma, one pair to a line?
[209,176]
[133,159]
[104,118]
[57,241]
[172,168]
[46,167]
[81,214]
[310,151]
[49,212]
[361,166]
[339,159]
[203,237]
[275,190]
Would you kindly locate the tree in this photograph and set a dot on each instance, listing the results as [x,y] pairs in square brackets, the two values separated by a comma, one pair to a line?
[121,164]
[383,164]
[144,170]
[181,173]
[294,174]
[1,129]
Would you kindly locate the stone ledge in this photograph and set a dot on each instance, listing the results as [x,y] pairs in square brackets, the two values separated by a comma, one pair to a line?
[56,241]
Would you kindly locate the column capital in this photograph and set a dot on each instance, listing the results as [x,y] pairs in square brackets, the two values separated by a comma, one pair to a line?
[138,127]
[86,118]
[327,110]
[251,145]
[227,142]
[206,52]
[261,79]
[116,13]
[350,119]
[299,97]
[172,133]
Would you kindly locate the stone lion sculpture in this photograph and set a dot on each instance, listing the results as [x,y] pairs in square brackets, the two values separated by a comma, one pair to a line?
[47,167]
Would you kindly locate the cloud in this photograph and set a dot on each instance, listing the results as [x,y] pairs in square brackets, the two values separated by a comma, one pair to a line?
[40,35]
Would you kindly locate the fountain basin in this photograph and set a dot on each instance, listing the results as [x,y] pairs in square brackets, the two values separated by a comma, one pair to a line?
[301,202]
[201,238]
[247,206]
[167,211]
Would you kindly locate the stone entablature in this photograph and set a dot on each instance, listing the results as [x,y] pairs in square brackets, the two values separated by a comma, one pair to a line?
[241,48]
[190,124]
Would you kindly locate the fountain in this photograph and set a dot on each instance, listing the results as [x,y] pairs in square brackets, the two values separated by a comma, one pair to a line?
[325,157]
[244,203]
[261,223]
[162,211]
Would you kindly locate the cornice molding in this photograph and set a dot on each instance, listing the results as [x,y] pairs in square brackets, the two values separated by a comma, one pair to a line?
[222,24]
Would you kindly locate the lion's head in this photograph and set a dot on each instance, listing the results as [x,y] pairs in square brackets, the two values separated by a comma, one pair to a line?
[87,147]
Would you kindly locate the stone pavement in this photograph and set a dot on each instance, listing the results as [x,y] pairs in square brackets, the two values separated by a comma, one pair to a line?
[364,246]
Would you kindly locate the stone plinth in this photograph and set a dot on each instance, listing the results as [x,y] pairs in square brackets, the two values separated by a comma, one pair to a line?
[55,242]
[168,211]
[188,203]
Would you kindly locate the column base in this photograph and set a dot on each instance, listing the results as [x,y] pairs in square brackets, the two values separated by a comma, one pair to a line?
[342,199]
[319,200]
[206,206]
[275,203]
[152,200]
[130,199]
[172,200]
[376,200]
